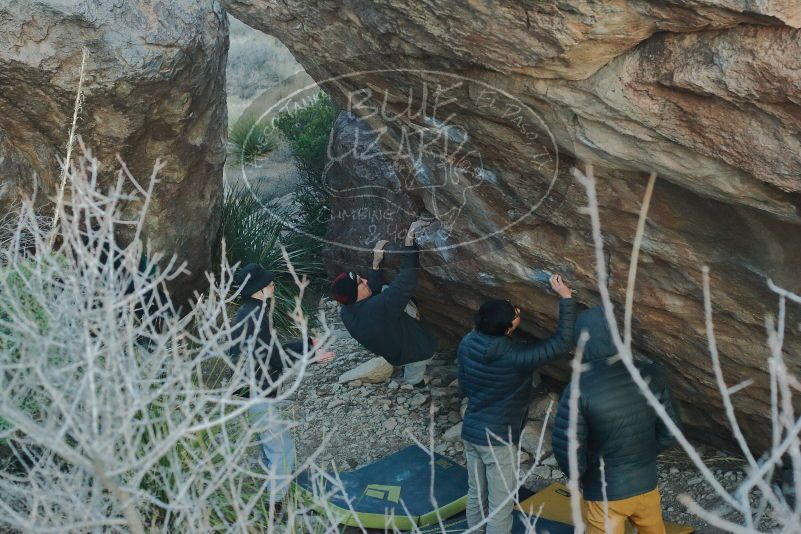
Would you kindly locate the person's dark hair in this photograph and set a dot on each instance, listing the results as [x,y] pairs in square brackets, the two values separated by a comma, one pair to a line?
[494,317]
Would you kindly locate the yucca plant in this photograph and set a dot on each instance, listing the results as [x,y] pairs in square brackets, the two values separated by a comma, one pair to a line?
[307,130]
[249,139]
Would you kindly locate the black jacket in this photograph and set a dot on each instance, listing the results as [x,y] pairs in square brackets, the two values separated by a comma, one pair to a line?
[495,373]
[380,324]
[614,420]
[267,359]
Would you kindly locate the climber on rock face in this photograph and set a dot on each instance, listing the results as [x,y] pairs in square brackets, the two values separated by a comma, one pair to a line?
[384,320]
[495,373]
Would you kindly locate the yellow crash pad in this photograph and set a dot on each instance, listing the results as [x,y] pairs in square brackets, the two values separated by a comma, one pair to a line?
[555,504]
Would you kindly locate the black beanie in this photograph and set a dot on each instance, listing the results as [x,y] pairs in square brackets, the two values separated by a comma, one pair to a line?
[254,277]
[344,289]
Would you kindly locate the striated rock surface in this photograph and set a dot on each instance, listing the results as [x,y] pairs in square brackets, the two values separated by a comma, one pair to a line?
[481,108]
[154,88]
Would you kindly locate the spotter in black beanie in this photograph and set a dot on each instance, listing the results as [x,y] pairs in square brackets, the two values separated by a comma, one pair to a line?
[254,277]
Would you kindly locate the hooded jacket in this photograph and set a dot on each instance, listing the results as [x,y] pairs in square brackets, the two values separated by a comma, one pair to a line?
[380,324]
[614,421]
[495,373]
[267,359]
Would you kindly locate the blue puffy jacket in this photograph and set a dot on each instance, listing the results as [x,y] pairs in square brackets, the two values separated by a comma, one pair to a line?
[495,373]
[614,421]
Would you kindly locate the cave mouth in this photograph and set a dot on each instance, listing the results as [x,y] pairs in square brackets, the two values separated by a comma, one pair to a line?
[260,73]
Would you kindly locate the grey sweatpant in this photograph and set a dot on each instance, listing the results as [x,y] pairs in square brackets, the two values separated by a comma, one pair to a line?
[277,446]
[413,373]
[491,476]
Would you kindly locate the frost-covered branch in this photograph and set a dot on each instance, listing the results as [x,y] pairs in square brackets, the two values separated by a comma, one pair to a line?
[118,412]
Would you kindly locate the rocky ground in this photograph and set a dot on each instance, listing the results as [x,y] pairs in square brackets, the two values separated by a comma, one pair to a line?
[356,422]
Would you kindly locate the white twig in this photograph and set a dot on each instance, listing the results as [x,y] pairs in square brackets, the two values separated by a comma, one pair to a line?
[105,399]
[70,142]
[602,468]
[785,425]
[624,351]
[572,435]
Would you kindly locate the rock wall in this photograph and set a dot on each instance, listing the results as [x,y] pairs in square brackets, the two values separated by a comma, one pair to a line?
[368,200]
[481,109]
[154,88]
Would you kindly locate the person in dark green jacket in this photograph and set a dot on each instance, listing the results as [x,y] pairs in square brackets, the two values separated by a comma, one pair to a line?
[382,320]
[495,373]
[614,423]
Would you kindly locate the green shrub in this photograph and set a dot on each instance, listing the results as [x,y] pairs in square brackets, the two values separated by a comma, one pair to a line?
[17,292]
[30,405]
[307,130]
[254,230]
[105,403]
[249,138]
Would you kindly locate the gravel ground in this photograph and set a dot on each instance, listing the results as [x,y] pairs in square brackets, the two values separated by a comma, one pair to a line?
[364,422]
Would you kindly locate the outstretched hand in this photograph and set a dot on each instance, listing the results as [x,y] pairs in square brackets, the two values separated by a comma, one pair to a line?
[560,287]
[322,356]
[414,229]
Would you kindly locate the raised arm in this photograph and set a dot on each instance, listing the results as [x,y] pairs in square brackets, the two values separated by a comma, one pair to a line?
[530,355]
[397,295]
[560,440]
[374,278]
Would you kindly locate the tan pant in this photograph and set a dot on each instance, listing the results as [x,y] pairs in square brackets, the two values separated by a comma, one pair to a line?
[644,511]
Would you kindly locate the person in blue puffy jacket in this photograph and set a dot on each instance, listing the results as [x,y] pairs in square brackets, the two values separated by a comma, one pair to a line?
[495,372]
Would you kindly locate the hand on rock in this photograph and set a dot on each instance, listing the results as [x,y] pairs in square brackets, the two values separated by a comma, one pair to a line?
[560,287]
[414,230]
[378,253]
